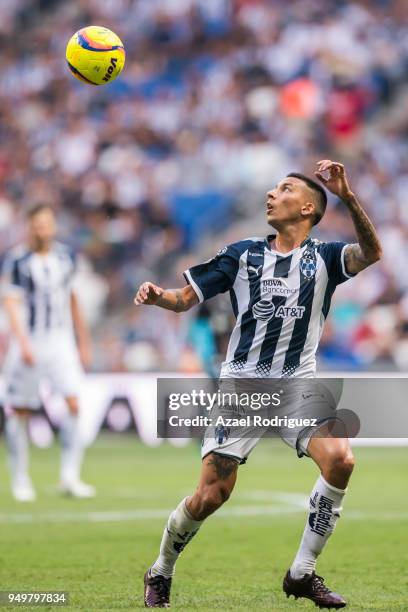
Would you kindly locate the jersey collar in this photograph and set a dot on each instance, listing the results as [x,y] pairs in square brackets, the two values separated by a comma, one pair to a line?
[270,237]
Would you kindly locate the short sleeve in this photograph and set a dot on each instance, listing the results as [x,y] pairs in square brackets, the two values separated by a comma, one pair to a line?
[216,275]
[11,280]
[333,255]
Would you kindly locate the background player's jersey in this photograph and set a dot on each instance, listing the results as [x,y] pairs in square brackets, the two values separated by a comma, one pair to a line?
[280,301]
[44,283]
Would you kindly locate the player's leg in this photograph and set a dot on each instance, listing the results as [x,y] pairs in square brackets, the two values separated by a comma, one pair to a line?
[217,480]
[21,398]
[16,427]
[65,372]
[335,460]
[72,453]
[70,447]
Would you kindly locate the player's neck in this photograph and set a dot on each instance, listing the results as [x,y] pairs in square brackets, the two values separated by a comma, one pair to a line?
[40,249]
[289,239]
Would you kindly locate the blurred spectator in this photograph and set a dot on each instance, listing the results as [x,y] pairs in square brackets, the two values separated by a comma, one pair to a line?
[218,99]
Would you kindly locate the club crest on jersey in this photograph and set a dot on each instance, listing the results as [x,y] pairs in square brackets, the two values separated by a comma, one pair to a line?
[308,265]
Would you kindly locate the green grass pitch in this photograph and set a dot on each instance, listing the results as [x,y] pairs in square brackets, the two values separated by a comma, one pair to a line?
[99,549]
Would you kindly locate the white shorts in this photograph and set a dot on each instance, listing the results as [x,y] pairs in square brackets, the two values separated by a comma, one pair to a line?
[305,401]
[56,360]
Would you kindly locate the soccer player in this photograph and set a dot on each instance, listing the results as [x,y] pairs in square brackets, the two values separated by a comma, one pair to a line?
[279,342]
[44,315]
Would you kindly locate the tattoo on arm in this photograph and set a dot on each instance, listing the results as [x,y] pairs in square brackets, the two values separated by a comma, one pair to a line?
[180,303]
[172,299]
[354,259]
[224,466]
[368,250]
[178,300]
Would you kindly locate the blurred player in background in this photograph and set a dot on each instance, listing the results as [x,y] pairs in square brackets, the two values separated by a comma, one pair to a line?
[44,317]
[276,335]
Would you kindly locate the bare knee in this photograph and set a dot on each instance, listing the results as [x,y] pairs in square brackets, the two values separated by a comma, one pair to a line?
[340,465]
[22,413]
[73,404]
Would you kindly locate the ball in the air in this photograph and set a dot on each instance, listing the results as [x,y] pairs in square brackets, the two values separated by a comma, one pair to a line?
[95,55]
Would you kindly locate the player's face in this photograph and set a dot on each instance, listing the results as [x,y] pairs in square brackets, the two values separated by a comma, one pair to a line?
[288,202]
[42,228]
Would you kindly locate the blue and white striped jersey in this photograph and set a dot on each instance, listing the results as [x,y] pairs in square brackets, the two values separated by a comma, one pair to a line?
[45,285]
[280,300]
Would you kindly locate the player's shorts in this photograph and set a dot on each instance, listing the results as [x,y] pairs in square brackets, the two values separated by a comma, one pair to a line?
[56,360]
[306,406]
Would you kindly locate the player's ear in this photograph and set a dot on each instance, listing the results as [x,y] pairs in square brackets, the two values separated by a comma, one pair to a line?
[308,208]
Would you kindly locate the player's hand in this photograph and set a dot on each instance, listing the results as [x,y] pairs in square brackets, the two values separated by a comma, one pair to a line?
[148,294]
[336,181]
[27,353]
[85,354]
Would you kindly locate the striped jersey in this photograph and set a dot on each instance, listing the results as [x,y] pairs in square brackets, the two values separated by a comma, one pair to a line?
[44,282]
[280,301]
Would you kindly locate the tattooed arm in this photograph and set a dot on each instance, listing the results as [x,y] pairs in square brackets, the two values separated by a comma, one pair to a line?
[178,300]
[368,249]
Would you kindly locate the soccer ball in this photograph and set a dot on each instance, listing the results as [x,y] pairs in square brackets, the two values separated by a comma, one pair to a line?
[95,55]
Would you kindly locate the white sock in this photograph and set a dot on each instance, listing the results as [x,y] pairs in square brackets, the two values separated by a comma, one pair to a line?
[177,534]
[325,508]
[71,449]
[17,448]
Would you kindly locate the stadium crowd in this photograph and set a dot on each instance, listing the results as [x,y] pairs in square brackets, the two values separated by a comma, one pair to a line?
[218,99]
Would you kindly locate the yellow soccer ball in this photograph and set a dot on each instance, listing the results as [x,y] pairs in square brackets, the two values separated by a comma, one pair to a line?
[95,55]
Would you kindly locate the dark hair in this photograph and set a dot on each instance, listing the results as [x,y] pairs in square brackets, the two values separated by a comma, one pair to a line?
[37,208]
[318,189]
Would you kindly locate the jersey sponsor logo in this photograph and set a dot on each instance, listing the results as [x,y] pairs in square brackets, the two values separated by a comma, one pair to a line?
[290,312]
[264,310]
[275,286]
[255,254]
[308,265]
[320,521]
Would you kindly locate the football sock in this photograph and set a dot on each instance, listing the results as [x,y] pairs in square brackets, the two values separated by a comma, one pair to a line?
[17,447]
[71,449]
[178,532]
[324,510]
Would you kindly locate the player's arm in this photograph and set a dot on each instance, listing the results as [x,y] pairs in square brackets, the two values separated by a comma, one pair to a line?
[81,331]
[205,281]
[368,249]
[178,300]
[11,304]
